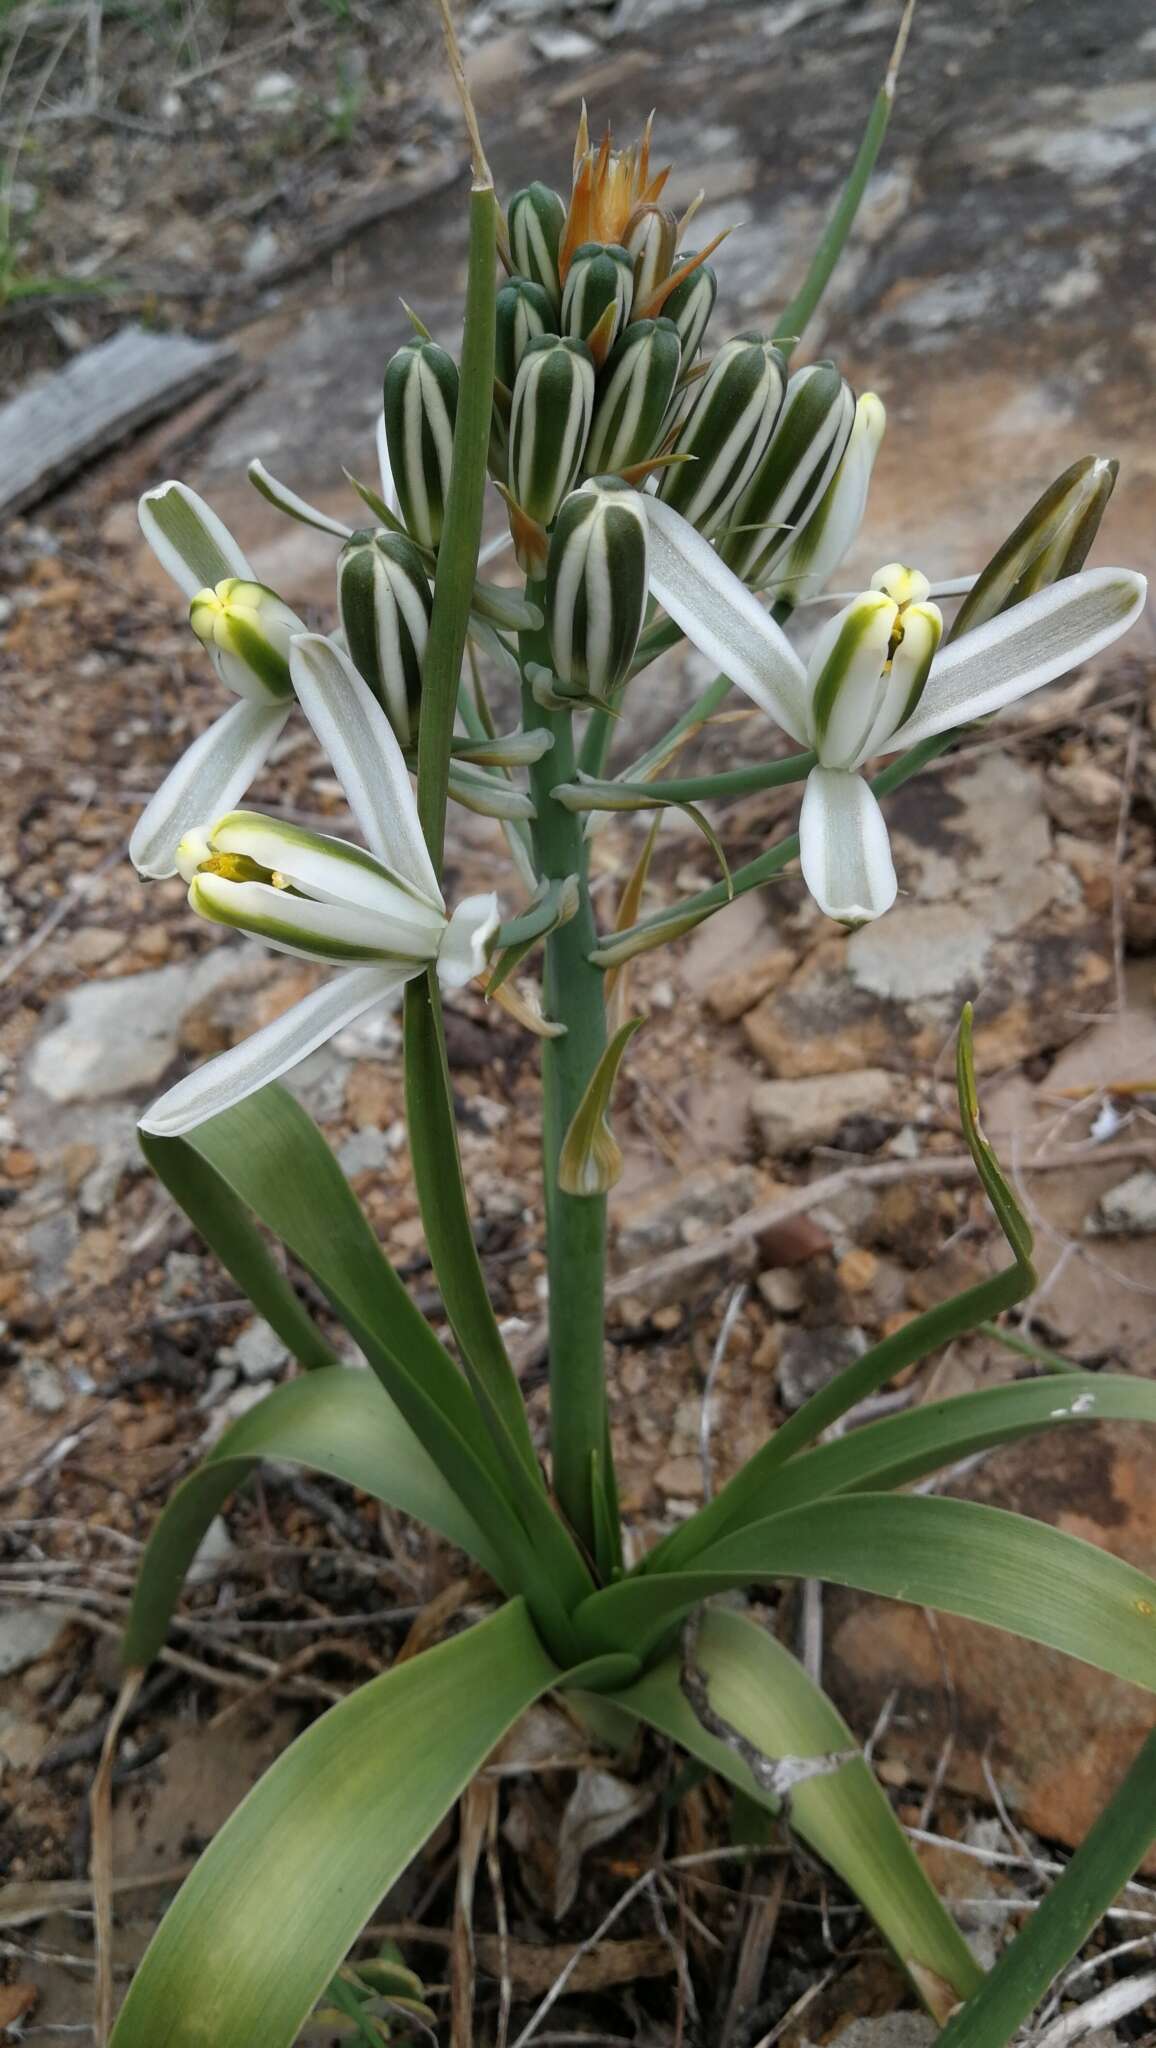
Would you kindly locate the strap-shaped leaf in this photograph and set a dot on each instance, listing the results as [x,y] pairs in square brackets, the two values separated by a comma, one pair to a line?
[228,1229]
[903,1447]
[1099,1869]
[979,1562]
[259,1928]
[274,1158]
[342,1423]
[760,1689]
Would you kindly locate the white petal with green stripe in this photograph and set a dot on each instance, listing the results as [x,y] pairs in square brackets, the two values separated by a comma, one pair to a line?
[596,585]
[549,424]
[729,424]
[801,457]
[211,776]
[637,387]
[420,407]
[188,539]
[385,602]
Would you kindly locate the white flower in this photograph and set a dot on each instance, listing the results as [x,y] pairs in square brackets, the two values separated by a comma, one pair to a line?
[867,692]
[247,630]
[380,912]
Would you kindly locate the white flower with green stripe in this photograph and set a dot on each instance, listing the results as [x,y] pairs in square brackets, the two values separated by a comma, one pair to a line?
[876,683]
[246,630]
[375,911]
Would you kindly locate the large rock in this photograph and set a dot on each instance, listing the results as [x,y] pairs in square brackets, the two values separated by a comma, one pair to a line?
[794,1115]
[119,1037]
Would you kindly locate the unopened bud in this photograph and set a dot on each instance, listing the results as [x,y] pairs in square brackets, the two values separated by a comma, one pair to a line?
[523,310]
[690,305]
[596,583]
[535,218]
[247,631]
[598,296]
[819,545]
[637,388]
[726,431]
[549,423]
[421,402]
[810,437]
[1050,543]
[650,238]
[384,598]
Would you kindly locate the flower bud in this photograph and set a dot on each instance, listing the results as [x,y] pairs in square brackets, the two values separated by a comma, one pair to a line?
[523,310]
[305,893]
[1051,542]
[598,296]
[690,306]
[535,219]
[632,404]
[421,402]
[819,545]
[726,430]
[869,666]
[811,434]
[650,238]
[549,423]
[384,599]
[247,631]
[596,581]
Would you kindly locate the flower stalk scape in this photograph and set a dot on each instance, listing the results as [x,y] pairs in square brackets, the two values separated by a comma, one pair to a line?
[655,482]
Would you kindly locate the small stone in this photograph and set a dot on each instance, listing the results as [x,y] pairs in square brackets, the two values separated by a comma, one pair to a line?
[562,45]
[80,1713]
[93,944]
[794,1241]
[182,1277]
[734,994]
[680,1478]
[1082,796]
[257,1354]
[500,1199]
[857,1271]
[26,1634]
[22,1743]
[891,2030]
[811,1359]
[44,1389]
[668,1318]
[713,1194]
[1128,1209]
[792,1116]
[262,252]
[276,89]
[782,1290]
[19,1163]
[364,1151]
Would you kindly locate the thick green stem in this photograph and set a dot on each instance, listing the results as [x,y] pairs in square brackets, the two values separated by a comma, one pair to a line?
[575,1224]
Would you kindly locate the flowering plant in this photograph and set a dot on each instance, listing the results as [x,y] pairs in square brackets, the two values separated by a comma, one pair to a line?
[650,495]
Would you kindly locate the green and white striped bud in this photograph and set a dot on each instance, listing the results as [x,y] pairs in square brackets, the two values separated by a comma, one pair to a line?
[690,306]
[535,218]
[384,598]
[596,581]
[523,310]
[650,238]
[305,893]
[1051,542]
[819,545]
[247,631]
[637,387]
[598,296]
[807,446]
[421,403]
[869,666]
[549,423]
[726,430]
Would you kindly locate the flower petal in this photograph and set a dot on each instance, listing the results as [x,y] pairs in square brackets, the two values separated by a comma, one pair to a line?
[327,869]
[1025,647]
[189,540]
[211,777]
[843,847]
[463,950]
[270,1052]
[339,933]
[723,620]
[292,503]
[359,740]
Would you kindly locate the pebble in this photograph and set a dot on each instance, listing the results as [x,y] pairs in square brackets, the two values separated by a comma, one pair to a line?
[257,1354]
[782,1290]
[795,1115]
[27,1634]
[810,1359]
[364,1151]
[1128,1209]
[44,1389]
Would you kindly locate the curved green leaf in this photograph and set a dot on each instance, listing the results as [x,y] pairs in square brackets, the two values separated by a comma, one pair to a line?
[903,1447]
[955,1555]
[760,1689]
[274,1158]
[274,1904]
[228,1229]
[342,1423]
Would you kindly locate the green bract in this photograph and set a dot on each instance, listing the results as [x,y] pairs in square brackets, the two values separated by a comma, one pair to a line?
[384,600]
[421,400]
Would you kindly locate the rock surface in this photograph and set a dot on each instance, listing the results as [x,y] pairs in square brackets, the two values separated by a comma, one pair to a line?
[119,1037]
[792,1116]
